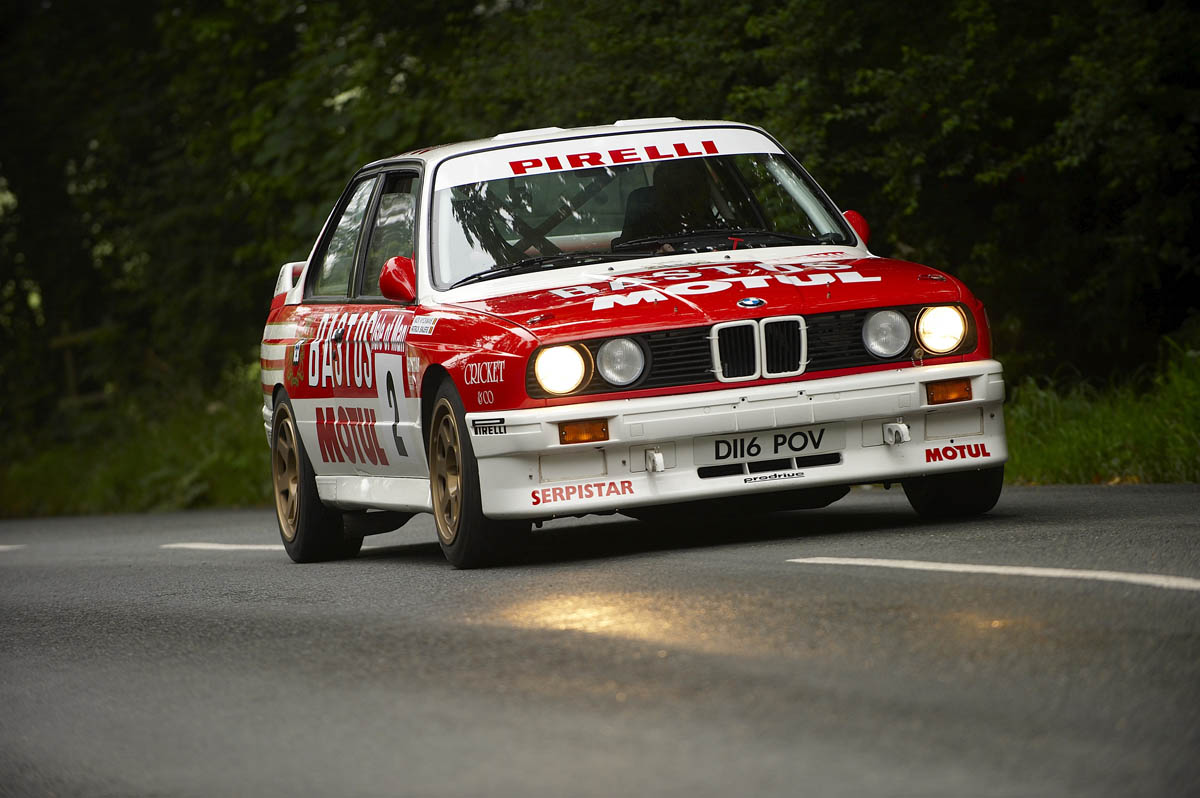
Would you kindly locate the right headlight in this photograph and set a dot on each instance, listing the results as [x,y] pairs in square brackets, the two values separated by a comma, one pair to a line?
[620,361]
[560,369]
[886,333]
[941,329]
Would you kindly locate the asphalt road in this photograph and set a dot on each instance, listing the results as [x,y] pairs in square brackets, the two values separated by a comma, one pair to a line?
[617,659]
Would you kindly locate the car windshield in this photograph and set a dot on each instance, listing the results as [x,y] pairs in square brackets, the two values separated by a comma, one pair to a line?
[579,201]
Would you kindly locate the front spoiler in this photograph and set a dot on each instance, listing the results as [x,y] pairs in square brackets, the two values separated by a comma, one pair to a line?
[525,472]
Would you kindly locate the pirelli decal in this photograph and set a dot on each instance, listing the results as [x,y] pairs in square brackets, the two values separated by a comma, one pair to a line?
[488,426]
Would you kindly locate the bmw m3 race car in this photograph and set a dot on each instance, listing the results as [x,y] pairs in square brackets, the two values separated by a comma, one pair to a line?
[626,318]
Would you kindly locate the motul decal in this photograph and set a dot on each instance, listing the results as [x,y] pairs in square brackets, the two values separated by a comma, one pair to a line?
[349,435]
[659,286]
[585,490]
[609,301]
[971,451]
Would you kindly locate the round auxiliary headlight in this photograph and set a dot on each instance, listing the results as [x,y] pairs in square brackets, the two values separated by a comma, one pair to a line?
[620,361]
[941,329]
[886,333]
[559,369]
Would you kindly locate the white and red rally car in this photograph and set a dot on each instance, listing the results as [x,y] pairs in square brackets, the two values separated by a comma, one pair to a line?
[559,322]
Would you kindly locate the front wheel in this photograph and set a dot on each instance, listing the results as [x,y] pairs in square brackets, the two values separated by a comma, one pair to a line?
[957,495]
[468,538]
[311,531]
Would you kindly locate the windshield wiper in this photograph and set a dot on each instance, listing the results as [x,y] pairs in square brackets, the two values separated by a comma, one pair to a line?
[558,260]
[724,232]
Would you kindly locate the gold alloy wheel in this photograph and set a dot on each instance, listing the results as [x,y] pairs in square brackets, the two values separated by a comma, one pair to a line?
[285,473]
[445,471]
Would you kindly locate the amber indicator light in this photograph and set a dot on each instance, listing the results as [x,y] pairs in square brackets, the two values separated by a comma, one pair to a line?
[593,429]
[939,393]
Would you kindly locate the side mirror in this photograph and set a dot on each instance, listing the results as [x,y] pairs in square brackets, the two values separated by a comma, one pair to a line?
[398,280]
[859,224]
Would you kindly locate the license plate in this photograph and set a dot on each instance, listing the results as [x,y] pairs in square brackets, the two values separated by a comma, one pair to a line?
[775,444]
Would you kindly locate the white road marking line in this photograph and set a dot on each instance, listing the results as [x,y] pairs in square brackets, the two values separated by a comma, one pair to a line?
[232,546]
[1150,580]
[12,546]
[224,546]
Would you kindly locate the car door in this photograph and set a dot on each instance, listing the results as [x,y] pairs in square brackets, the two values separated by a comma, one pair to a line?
[325,421]
[384,401]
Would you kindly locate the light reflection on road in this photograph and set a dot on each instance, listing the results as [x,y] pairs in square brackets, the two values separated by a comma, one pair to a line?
[718,625]
[692,623]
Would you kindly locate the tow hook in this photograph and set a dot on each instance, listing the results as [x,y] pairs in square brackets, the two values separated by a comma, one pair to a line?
[895,432]
[654,460]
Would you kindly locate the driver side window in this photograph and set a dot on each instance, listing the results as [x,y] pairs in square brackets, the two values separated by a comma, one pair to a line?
[394,228]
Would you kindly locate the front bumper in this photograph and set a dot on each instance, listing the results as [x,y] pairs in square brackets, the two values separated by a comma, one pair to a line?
[525,472]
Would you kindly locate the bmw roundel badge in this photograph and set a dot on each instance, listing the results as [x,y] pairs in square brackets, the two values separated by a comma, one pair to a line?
[751,302]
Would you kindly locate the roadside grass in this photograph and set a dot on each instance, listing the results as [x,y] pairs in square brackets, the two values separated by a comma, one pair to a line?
[198,452]
[212,452]
[1122,434]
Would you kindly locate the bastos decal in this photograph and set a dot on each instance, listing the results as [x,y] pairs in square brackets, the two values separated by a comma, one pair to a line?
[342,351]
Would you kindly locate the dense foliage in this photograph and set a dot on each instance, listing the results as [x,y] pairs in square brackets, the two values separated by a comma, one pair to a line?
[156,166]
[198,452]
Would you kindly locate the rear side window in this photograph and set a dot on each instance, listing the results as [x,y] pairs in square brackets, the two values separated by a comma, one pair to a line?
[337,262]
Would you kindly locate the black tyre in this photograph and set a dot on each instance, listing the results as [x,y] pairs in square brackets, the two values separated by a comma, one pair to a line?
[957,495]
[468,538]
[311,531]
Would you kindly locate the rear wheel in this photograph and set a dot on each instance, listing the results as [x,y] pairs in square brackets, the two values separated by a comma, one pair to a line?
[311,531]
[957,495]
[469,539]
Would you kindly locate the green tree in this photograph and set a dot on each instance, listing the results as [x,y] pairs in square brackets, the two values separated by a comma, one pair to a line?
[1045,153]
[169,158]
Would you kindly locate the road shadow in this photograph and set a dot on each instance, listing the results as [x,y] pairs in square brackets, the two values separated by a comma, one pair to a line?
[613,538]
[416,553]
[616,536]
[630,537]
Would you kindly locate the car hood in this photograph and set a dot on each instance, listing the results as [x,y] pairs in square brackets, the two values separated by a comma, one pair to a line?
[707,292]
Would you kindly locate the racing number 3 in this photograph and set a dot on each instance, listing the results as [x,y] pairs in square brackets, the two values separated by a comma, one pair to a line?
[394,403]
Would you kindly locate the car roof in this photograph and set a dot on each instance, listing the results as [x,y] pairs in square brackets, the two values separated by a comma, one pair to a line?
[433,155]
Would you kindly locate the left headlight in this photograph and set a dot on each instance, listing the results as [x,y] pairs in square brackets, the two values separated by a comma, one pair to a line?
[560,369]
[941,329]
[620,361]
